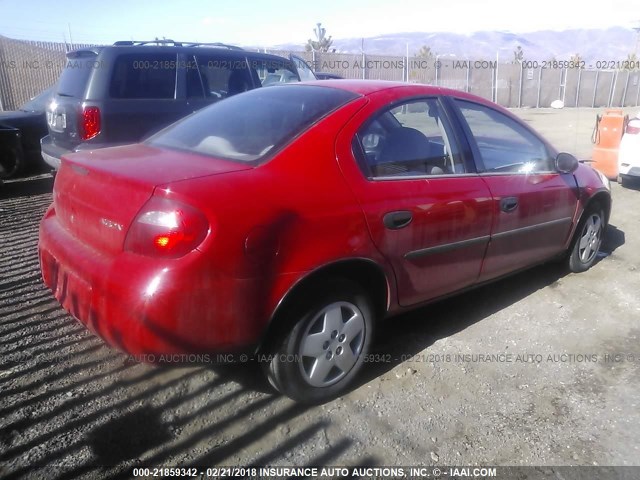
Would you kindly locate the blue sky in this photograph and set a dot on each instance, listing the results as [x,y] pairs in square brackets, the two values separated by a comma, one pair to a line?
[256,23]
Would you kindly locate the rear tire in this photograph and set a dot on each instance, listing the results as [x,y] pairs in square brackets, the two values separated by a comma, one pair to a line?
[12,163]
[587,240]
[319,357]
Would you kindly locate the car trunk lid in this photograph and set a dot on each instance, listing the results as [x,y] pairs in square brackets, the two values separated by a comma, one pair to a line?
[97,194]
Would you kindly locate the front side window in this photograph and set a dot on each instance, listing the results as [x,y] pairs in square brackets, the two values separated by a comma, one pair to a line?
[144,76]
[410,139]
[504,144]
[251,126]
[306,74]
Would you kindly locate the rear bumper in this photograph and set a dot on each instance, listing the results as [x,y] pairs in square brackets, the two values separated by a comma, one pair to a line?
[630,171]
[51,153]
[147,307]
[629,156]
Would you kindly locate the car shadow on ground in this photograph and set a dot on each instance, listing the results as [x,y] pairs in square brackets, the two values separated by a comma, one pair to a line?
[408,334]
[614,239]
[405,335]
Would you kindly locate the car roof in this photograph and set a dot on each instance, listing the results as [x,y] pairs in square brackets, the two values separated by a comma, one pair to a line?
[367,87]
[218,49]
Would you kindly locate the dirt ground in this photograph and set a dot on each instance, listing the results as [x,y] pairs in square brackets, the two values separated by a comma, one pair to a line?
[542,368]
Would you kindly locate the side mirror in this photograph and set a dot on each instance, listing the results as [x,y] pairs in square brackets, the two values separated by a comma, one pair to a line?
[566,163]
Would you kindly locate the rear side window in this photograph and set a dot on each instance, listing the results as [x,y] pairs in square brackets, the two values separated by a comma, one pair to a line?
[75,76]
[272,71]
[253,125]
[410,139]
[144,75]
[220,77]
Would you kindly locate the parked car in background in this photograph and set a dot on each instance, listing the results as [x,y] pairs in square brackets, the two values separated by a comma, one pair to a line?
[629,153]
[287,221]
[20,134]
[119,94]
[327,76]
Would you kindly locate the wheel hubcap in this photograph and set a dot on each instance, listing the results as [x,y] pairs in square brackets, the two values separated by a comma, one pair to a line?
[590,238]
[331,344]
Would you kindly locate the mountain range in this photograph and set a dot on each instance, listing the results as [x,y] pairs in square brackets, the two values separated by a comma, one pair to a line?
[592,45]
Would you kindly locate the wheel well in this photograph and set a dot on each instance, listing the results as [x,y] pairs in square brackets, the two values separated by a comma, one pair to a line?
[604,200]
[364,272]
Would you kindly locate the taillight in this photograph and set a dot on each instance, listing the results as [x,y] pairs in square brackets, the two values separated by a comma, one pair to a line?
[90,123]
[633,127]
[166,228]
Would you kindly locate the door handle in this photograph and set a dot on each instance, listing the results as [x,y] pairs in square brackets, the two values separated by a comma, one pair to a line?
[397,220]
[508,204]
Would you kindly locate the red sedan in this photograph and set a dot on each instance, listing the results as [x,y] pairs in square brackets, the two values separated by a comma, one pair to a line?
[288,220]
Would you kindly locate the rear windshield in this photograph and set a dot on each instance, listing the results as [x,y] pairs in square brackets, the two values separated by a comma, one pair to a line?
[249,126]
[74,77]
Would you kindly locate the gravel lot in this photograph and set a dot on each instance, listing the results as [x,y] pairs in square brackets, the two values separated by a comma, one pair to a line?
[540,369]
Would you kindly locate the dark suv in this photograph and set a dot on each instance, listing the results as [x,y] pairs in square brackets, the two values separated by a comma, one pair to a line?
[119,94]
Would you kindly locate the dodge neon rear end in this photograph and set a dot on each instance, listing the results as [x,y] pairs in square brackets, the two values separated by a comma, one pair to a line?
[122,255]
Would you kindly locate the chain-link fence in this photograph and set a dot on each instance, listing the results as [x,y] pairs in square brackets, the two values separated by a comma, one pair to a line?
[27,68]
[509,84]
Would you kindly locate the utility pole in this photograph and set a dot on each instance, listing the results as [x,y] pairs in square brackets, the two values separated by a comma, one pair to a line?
[70,39]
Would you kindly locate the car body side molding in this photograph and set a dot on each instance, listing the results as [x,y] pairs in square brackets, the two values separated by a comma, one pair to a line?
[446,247]
[531,228]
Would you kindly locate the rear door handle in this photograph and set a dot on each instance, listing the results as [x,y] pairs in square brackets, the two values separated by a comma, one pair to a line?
[397,220]
[508,204]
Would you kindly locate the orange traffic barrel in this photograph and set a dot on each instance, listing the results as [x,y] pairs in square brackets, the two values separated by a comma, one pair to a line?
[606,138]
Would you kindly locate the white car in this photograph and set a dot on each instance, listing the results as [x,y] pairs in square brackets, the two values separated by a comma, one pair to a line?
[629,154]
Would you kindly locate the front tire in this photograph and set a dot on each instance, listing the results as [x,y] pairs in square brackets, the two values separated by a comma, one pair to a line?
[587,240]
[320,356]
